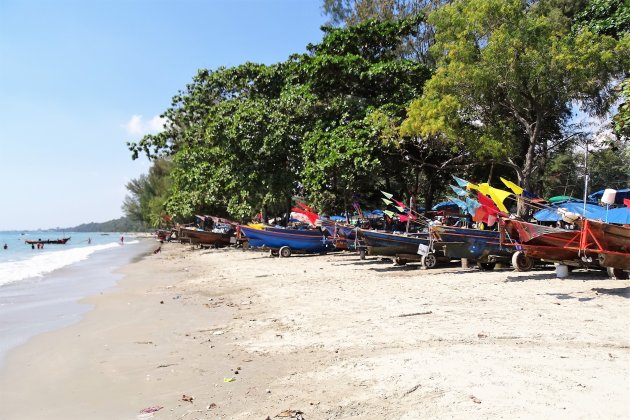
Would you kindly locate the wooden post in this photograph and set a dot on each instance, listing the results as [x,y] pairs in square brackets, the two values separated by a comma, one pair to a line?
[464,262]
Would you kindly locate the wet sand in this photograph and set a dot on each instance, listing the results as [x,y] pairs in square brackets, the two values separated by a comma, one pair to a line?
[249,336]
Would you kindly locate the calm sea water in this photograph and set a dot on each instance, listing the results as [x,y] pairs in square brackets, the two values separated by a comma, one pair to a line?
[40,289]
[19,261]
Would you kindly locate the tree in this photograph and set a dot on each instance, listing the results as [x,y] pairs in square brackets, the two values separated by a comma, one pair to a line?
[508,74]
[147,195]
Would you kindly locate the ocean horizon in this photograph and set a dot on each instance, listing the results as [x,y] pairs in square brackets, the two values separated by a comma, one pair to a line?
[40,288]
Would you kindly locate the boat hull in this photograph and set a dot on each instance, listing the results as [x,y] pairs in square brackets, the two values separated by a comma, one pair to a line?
[48,241]
[473,244]
[203,237]
[390,244]
[291,238]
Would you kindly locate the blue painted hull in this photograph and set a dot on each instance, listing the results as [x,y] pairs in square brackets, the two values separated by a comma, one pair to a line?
[311,232]
[474,244]
[287,237]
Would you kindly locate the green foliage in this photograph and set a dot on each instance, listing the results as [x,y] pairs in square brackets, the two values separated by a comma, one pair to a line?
[123,224]
[148,193]
[509,71]
[605,17]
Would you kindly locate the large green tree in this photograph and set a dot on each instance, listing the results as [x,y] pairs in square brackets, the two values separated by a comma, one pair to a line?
[509,72]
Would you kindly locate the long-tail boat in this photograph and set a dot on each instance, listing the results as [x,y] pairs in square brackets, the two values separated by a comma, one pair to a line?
[61,241]
[486,247]
[609,243]
[343,236]
[207,237]
[285,241]
[404,247]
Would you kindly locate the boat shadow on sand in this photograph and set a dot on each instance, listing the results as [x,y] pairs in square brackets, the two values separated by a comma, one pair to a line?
[550,274]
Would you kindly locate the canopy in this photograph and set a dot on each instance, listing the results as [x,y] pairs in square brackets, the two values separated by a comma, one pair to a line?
[561,198]
[619,197]
[338,218]
[551,214]
[445,205]
[619,216]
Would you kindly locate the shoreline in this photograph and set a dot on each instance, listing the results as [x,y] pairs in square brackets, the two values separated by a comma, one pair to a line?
[331,336]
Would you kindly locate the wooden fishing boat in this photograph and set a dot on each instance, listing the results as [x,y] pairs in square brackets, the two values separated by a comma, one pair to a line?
[61,241]
[286,241]
[403,247]
[205,237]
[343,236]
[609,243]
[549,243]
[486,247]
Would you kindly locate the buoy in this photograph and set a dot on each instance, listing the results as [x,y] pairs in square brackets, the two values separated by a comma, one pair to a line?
[562,271]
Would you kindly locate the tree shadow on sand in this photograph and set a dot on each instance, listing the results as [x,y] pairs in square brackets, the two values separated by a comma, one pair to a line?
[577,275]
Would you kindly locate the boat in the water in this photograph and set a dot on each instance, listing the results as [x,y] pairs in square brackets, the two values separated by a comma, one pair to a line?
[286,241]
[61,241]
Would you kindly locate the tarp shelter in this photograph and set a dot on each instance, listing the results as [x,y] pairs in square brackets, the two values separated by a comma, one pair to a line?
[561,198]
[551,214]
[445,205]
[619,196]
[619,216]
[338,218]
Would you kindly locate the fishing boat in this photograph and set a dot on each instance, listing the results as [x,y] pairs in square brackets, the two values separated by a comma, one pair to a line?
[548,243]
[284,242]
[61,241]
[609,243]
[486,247]
[343,236]
[216,238]
[403,247]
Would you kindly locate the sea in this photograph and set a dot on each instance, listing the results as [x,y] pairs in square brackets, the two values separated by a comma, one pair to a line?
[40,288]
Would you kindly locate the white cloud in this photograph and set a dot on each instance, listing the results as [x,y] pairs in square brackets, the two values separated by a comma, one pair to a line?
[137,126]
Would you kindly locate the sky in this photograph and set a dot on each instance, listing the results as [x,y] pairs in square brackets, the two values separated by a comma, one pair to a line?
[78,79]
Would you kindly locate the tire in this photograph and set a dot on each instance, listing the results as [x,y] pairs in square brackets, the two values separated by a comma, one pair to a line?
[486,266]
[522,262]
[285,252]
[429,260]
[274,253]
[617,273]
[399,261]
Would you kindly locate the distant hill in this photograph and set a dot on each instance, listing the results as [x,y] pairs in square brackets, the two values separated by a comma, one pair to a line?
[124,224]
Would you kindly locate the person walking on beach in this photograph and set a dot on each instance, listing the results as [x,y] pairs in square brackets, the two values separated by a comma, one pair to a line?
[122,240]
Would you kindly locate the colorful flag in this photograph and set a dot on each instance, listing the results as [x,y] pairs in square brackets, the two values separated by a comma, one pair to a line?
[626,202]
[461,182]
[389,213]
[388,202]
[517,190]
[461,204]
[388,195]
[459,191]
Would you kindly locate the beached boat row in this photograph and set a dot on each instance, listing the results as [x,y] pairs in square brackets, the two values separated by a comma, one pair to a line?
[579,241]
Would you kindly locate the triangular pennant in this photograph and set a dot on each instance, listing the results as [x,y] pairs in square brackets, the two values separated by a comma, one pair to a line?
[388,195]
[461,182]
[461,204]
[517,190]
[388,202]
[389,213]
[459,191]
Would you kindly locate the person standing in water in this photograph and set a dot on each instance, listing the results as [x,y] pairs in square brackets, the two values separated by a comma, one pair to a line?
[122,240]
[5,246]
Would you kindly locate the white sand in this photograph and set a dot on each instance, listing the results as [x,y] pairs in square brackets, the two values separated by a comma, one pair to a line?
[327,335]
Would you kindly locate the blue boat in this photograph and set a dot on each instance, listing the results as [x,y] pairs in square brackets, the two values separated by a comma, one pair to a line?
[312,232]
[483,246]
[287,240]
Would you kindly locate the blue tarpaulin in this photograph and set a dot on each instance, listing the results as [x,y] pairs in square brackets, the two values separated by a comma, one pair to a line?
[337,218]
[619,216]
[445,205]
[619,197]
[551,214]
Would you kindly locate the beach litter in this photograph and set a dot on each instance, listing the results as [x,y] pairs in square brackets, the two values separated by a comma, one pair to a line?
[187,398]
[229,379]
[151,409]
[296,414]
[475,399]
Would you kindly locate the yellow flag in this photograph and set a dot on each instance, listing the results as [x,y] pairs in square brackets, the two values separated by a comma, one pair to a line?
[498,196]
[517,190]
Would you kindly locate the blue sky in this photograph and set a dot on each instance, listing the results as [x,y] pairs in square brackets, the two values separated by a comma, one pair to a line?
[80,78]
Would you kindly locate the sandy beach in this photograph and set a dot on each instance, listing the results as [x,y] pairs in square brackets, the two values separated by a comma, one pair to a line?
[240,335]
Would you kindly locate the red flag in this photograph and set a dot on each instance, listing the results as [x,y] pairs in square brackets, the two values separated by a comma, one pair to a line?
[403,218]
[304,206]
[312,217]
[626,201]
